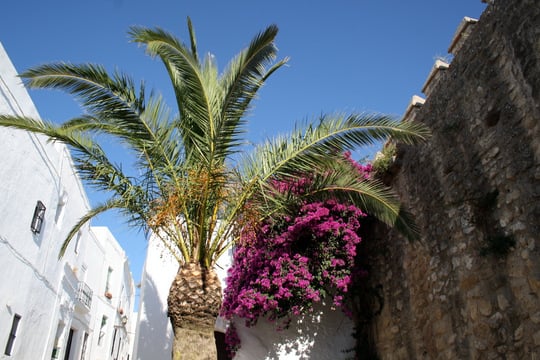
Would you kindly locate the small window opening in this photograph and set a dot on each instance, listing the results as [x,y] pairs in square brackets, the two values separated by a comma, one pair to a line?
[102,330]
[57,349]
[69,344]
[108,283]
[37,219]
[114,341]
[12,334]
[77,242]
[84,346]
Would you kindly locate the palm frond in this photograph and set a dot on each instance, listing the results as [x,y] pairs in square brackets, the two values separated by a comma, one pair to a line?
[189,186]
[90,160]
[373,197]
[192,39]
[305,148]
[184,71]
[314,151]
[241,80]
[104,96]
[111,204]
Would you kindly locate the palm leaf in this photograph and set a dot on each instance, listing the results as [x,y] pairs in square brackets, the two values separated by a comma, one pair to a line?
[184,71]
[190,187]
[310,147]
[111,204]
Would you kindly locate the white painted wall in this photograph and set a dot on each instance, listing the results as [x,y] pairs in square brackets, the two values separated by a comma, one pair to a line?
[31,170]
[154,335]
[35,284]
[324,334]
[119,308]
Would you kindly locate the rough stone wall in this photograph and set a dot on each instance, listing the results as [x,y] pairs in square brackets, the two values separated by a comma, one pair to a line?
[474,190]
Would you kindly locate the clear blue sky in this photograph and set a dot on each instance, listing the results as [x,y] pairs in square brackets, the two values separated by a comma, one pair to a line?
[345,55]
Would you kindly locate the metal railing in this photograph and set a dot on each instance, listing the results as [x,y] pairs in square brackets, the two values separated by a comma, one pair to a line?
[84,294]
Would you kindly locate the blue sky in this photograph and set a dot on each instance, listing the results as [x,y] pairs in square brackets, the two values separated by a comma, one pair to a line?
[345,55]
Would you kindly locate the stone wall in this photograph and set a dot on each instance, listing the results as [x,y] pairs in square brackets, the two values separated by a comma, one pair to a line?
[470,288]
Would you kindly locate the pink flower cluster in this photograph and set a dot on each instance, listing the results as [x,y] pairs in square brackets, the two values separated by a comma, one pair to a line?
[232,341]
[286,267]
[364,170]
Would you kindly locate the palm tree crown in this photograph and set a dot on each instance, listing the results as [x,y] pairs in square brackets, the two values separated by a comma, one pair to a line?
[196,186]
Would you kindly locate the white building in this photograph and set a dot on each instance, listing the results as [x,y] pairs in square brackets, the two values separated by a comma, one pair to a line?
[154,334]
[53,308]
[113,334]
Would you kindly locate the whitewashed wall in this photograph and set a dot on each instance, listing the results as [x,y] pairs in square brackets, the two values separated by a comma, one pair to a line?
[31,170]
[154,334]
[36,285]
[118,309]
[324,334]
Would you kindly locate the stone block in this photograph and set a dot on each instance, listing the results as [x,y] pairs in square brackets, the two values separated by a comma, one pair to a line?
[480,344]
[473,311]
[495,320]
[443,326]
[534,284]
[468,283]
[502,302]
[484,307]
[518,333]
[535,318]
[536,338]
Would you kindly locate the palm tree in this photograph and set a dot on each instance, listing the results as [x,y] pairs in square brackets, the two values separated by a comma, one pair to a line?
[195,186]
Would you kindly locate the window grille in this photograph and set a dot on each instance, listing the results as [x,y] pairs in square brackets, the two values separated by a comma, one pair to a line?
[84,294]
[37,219]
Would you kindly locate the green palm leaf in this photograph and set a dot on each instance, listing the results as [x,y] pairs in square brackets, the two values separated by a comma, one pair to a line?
[190,184]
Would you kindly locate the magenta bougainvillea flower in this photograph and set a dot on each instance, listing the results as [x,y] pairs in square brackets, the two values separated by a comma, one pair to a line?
[288,265]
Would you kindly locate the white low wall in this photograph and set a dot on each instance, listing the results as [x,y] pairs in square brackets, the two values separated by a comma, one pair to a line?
[323,334]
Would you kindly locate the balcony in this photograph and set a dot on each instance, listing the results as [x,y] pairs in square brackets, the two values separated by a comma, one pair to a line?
[84,297]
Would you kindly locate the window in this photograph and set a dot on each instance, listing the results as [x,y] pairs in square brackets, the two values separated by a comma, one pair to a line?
[57,349]
[84,345]
[69,344]
[77,242]
[37,219]
[12,334]
[102,329]
[108,284]
[114,341]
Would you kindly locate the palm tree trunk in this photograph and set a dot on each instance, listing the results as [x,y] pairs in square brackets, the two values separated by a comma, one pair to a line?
[194,302]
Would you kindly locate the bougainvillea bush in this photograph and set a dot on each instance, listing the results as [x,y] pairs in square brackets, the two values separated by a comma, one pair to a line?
[286,265]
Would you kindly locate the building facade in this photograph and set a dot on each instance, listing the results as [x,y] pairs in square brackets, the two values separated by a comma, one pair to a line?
[78,306]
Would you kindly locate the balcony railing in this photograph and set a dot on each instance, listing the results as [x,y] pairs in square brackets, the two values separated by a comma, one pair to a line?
[84,295]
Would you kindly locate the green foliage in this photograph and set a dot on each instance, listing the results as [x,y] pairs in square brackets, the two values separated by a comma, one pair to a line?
[385,158]
[193,189]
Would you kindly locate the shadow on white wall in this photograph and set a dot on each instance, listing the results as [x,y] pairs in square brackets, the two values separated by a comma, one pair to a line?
[154,339]
[324,334]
